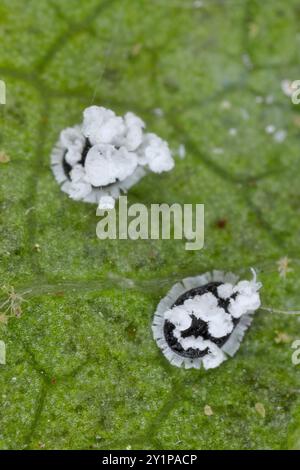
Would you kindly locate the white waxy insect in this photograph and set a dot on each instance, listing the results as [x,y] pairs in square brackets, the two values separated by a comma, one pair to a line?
[202,319]
[106,155]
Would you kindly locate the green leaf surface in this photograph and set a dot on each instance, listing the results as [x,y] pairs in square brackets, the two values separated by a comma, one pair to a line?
[82,370]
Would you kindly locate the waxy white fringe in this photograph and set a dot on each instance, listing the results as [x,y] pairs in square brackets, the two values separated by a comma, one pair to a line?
[232,344]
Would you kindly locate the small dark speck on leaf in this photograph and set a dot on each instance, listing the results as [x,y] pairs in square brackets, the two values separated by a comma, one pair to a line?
[130,332]
[221,223]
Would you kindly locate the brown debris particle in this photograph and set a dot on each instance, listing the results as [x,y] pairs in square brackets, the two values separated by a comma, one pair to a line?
[18,311]
[59,293]
[221,223]
[11,307]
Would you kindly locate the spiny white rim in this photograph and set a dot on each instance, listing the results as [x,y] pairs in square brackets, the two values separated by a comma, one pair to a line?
[114,190]
[232,344]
